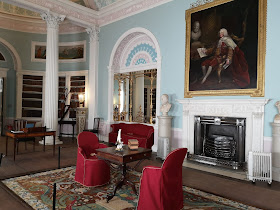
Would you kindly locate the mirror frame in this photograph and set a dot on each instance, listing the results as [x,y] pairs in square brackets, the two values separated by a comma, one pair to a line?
[120,114]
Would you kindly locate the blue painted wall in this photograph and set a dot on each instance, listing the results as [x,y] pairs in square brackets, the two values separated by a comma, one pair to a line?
[21,41]
[167,23]
[10,82]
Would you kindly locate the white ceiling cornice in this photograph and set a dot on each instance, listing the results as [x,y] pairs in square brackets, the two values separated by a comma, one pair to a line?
[86,17]
[126,8]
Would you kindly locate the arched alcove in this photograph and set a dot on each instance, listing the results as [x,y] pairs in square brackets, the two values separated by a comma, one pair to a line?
[136,50]
[14,54]
[12,64]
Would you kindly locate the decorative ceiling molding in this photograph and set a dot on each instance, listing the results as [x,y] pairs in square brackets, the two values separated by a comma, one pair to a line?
[126,8]
[103,3]
[17,11]
[199,3]
[38,26]
[90,4]
[86,17]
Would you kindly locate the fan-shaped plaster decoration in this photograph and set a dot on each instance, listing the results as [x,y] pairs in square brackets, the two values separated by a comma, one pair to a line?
[134,50]
[142,53]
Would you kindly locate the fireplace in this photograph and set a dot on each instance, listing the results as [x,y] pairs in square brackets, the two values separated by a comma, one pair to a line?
[219,141]
[249,110]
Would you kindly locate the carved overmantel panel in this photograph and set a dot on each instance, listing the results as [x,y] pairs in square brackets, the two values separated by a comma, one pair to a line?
[251,109]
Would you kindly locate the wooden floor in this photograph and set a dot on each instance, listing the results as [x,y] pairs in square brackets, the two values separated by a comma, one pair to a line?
[260,195]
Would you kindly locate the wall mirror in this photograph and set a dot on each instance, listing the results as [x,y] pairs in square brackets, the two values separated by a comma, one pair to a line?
[134,97]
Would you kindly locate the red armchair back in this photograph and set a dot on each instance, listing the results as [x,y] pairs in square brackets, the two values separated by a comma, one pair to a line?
[89,142]
[90,171]
[161,188]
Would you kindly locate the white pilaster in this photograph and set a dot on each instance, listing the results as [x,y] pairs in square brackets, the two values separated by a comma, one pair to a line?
[93,73]
[110,93]
[51,78]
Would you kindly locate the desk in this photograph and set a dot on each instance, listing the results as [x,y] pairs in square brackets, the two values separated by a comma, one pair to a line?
[122,158]
[28,135]
[68,122]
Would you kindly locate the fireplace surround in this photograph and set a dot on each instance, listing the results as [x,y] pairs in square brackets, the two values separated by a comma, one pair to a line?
[252,110]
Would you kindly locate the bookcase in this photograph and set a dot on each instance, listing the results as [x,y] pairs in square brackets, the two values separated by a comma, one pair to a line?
[61,95]
[30,92]
[32,95]
[77,86]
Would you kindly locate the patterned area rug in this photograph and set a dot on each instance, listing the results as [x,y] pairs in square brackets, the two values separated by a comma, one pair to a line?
[37,191]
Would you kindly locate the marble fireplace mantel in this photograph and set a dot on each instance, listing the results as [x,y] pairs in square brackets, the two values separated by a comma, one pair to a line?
[251,109]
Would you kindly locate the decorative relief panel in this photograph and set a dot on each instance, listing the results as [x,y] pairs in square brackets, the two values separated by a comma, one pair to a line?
[135,49]
[121,47]
[144,52]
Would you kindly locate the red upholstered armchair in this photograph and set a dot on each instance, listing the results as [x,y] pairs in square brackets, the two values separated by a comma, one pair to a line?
[161,188]
[90,171]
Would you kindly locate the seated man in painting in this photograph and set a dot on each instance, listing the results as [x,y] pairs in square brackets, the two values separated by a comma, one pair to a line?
[227,55]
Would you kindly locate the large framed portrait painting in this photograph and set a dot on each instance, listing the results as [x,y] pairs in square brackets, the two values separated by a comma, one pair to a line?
[225,48]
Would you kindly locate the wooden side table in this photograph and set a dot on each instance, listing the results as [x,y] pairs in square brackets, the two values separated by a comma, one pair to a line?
[122,158]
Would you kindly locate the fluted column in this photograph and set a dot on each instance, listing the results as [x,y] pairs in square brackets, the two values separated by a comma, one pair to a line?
[93,33]
[51,78]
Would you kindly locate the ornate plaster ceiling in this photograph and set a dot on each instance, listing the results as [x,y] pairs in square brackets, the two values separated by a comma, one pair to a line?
[91,4]
[15,10]
[81,13]
[95,4]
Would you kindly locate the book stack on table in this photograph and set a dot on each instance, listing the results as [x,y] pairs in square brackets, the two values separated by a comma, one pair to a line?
[133,144]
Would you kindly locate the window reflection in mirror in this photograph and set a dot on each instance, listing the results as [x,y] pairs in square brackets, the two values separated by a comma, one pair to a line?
[135,96]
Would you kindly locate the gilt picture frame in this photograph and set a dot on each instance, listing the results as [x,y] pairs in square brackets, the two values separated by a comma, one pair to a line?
[225,48]
[69,52]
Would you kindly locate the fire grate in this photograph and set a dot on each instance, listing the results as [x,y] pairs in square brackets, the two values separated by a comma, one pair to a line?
[220,140]
[220,147]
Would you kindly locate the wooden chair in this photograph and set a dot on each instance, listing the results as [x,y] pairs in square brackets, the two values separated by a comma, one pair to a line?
[96,124]
[20,124]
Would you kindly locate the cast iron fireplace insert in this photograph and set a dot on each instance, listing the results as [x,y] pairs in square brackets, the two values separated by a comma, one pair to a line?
[219,141]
